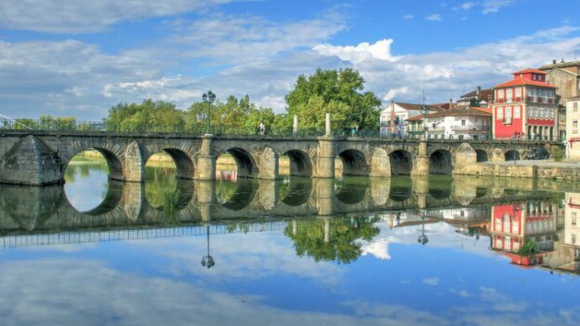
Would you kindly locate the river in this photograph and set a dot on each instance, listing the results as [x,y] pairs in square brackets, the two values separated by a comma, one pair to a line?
[351,251]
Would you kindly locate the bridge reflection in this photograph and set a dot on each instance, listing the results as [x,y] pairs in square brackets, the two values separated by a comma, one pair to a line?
[45,209]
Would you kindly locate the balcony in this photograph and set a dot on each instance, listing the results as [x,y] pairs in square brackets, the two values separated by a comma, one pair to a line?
[465,129]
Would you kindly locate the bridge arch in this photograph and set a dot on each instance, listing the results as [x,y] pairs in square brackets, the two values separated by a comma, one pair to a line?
[441,162]
[300,164]
[247,167]
[401,162]
[113,161]
[184,167]
[354,163]
[481,155]
[512,155]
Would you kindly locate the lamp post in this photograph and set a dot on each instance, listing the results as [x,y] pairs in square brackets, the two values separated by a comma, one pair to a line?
[207,261]
[425,113]
[208,99]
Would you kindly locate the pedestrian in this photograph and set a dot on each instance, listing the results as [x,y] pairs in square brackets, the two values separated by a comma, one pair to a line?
[262,128]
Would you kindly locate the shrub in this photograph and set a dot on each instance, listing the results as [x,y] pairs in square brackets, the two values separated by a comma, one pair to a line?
[557,153]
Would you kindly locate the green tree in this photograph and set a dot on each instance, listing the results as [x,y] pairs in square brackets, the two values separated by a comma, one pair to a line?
[157,116]
[235,116]
[337,92]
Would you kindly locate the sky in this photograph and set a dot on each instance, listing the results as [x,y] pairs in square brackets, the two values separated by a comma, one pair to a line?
[78,59]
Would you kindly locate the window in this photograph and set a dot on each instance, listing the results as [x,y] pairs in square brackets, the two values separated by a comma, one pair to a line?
[575,106]
[574,126]
[463,122]
[517,112]
[509,95]
[508,115]
[500,113]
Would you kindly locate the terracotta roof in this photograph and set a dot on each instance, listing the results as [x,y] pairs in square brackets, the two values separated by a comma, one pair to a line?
[417,117]
[455,112]
[486,110]
[460,112]
[418,107]
[522,82]
[529,71]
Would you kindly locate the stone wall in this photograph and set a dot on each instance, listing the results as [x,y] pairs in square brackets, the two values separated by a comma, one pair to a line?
[523,170]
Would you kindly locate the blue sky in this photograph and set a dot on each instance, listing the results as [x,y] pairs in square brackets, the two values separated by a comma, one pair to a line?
[77,58]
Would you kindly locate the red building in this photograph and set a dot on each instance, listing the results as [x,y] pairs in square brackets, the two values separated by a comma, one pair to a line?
[525,106]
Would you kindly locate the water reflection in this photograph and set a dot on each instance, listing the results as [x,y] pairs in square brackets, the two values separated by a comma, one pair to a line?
[346,252]
[523,223]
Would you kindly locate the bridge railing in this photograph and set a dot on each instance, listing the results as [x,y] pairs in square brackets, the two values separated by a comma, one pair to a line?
[71,125]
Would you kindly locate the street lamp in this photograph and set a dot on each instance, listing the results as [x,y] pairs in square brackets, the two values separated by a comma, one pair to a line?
[208,99]
[207,261]
[425,113]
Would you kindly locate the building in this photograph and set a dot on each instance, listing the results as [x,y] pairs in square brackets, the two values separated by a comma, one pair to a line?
[566,77]
[459,122]
[394,119]
[526,107]
[572,130]
[477,98]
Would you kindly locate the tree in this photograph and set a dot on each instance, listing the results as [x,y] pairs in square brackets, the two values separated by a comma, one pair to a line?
[157,116]
[233,117]
[336,92]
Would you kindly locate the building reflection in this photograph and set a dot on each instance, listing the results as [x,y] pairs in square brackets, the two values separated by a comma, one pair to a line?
[566,255]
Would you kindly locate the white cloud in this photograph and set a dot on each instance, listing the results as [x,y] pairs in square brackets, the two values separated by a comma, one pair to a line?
[379,248]
[467,5]
[72,16]
[236,40]
[492,6]
[431,281]
[380,50]
[408,17]
[434,18]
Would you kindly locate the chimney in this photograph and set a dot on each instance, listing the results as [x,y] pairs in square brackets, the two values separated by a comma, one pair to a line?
[554,61]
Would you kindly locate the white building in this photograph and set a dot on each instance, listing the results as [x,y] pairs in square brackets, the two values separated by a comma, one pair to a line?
[462,122]
[394,117]
[572,130]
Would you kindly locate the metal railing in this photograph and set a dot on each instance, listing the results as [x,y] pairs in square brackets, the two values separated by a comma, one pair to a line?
[220,130]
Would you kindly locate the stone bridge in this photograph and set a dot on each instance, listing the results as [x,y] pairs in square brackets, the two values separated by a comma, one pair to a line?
[41,158]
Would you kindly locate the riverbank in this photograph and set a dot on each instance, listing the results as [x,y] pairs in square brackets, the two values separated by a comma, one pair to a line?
[545,169]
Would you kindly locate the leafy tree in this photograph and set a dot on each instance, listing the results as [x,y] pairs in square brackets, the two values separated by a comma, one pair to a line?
[335,92]
[234,116]
[148,116]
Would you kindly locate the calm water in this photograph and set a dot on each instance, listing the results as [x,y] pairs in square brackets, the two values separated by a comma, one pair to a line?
[428,251]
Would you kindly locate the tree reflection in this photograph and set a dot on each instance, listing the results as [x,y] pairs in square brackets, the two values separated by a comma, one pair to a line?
[334,239]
